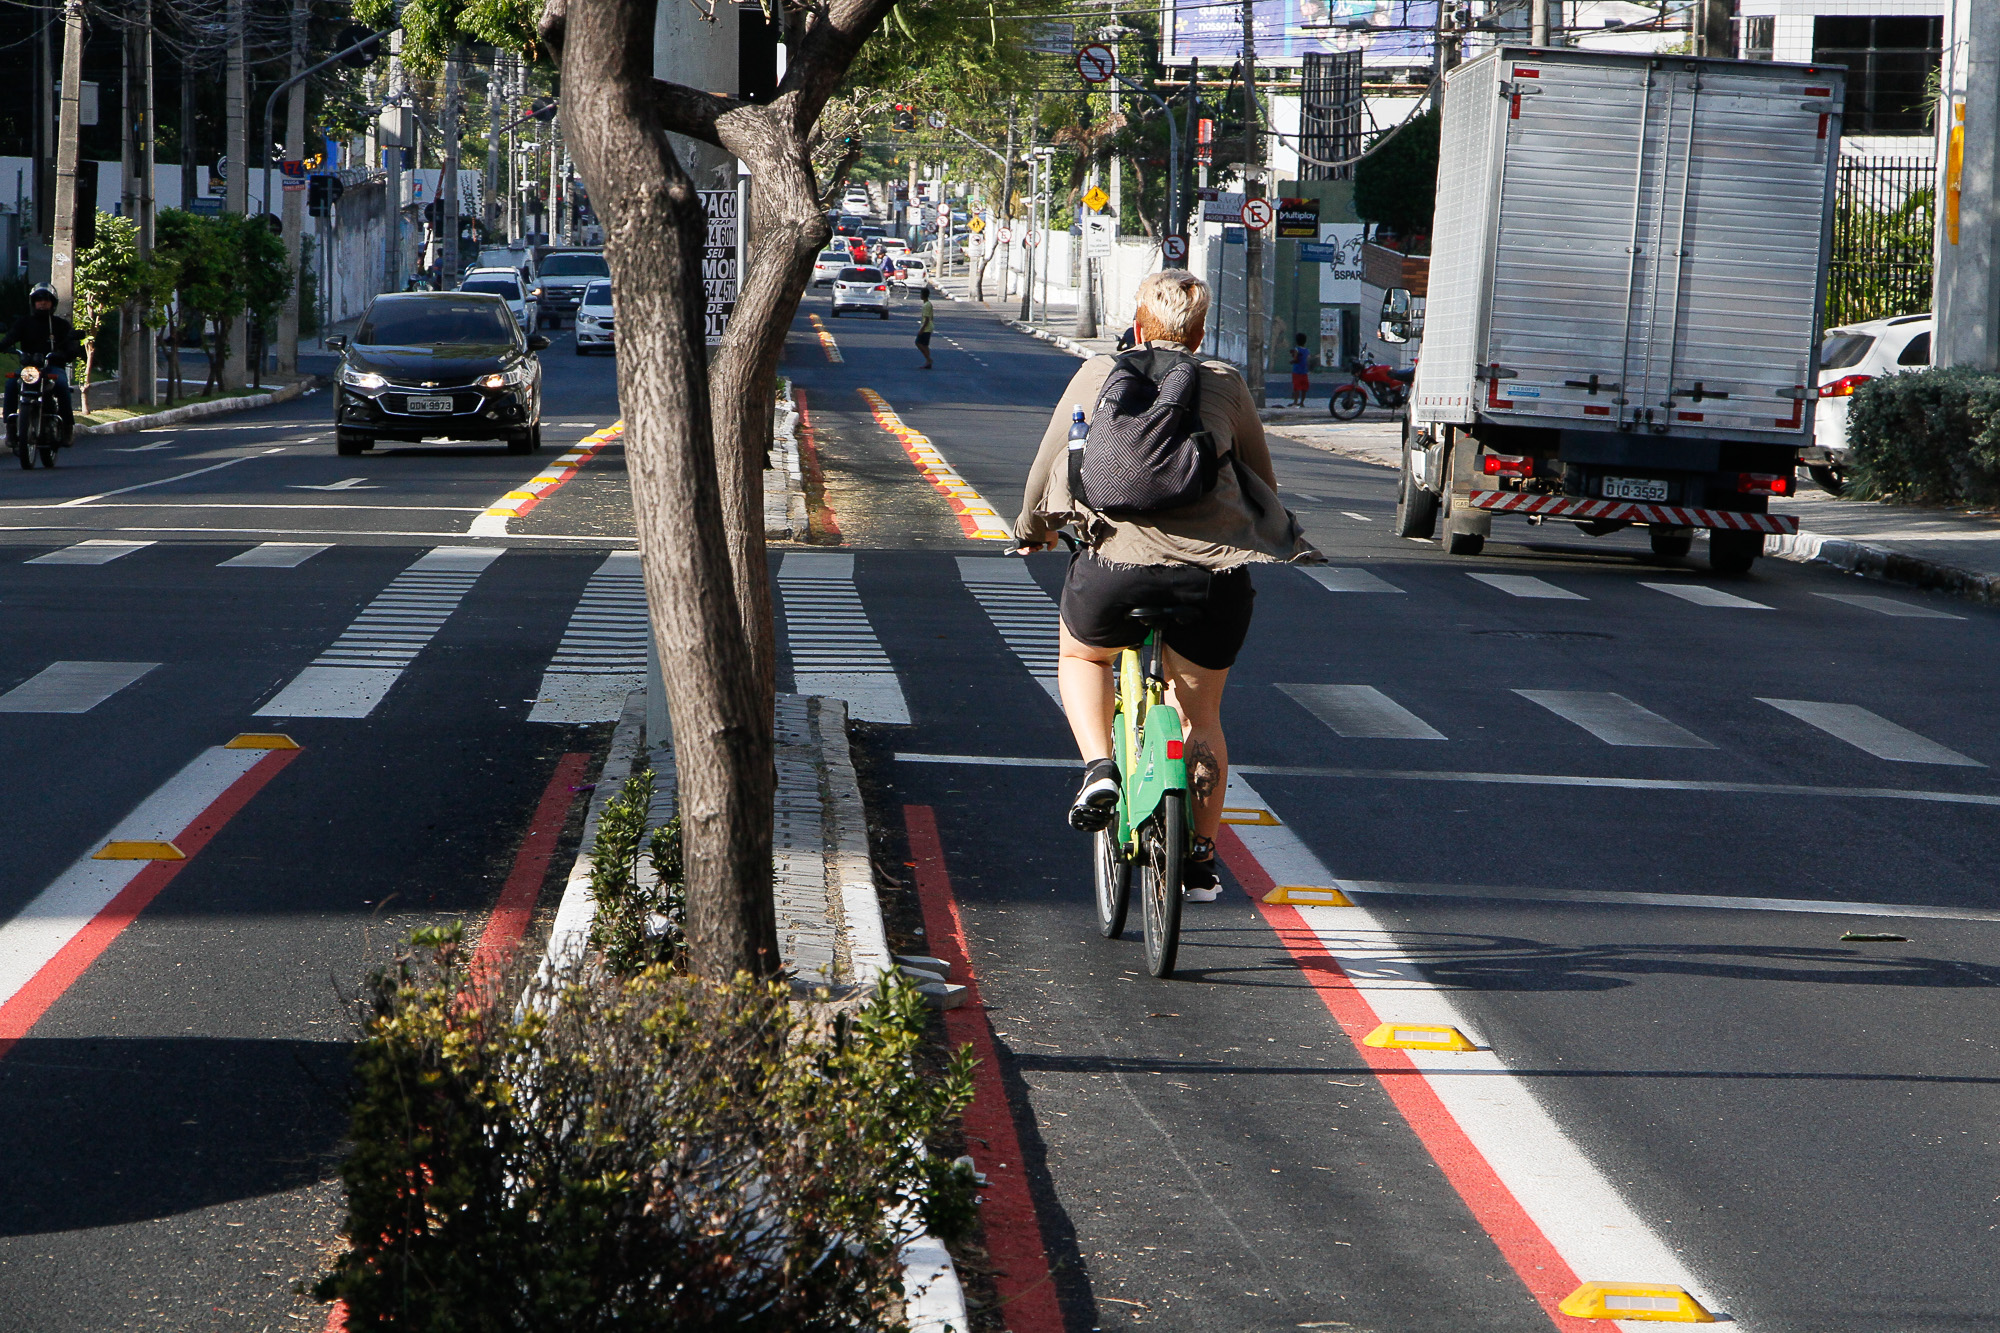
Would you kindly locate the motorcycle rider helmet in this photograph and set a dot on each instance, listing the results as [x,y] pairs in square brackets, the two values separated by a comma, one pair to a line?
[43,292]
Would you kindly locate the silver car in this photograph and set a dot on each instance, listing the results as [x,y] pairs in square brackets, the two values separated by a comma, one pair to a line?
[504,283]
[861,289]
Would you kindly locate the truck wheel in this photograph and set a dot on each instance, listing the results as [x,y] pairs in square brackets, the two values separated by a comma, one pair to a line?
[1830,478]
[1734,552]
[1671,543]
[1416,508]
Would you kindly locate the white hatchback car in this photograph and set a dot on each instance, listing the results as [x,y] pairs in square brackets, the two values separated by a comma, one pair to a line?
[1848,358]
[593,320]
[504,283]
[862,289]
[827,267]
[912,273]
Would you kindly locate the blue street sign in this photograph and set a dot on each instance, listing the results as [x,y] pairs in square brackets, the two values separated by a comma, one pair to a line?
[1311,253]
[1232,235]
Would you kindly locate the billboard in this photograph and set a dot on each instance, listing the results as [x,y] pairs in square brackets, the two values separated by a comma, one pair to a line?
[1386,32]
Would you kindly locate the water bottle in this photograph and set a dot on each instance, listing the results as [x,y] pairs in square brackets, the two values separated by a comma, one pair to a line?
[1078,429]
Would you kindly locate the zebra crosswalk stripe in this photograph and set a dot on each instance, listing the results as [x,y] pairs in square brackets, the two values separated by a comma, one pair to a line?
[602,656]
[1025,615]
[833,646]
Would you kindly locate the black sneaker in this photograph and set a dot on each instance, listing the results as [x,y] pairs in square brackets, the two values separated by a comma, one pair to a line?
[1198,878]
[1096,798]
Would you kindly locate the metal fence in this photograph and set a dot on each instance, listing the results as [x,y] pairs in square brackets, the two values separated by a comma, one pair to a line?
[1329,114]
[1884,211]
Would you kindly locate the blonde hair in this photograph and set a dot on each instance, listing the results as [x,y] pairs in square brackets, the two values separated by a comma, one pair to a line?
[1174,304]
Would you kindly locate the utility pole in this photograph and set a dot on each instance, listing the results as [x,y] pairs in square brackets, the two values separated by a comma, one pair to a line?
[237,184]
[496,101]
[190,187]
[1538,22]
[62,260]
[293,222]
[138,376]
[448,178]
[1253,237]
[1966,302]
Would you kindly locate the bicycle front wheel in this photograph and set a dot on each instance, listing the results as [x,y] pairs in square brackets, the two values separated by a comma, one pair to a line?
[1114,882]
[1162,843]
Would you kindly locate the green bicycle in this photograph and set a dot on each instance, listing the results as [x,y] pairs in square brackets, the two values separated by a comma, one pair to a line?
[1152,828]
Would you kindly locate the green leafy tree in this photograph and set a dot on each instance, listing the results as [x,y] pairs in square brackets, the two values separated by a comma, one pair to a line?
[1396,188]
[107,276]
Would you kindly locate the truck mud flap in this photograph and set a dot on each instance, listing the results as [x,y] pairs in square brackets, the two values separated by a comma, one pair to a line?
[1625,511]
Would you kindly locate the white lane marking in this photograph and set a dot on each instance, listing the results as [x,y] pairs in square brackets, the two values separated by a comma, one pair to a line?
[1702,596]
[1335,579]
[602,656]
[833,645]
[96,551]
[144,448]
[55,916]
[1580,1212]
[274,555]
[1025,615]
[1362,712]
[1887,606]
[1871,732]
[345,484]
[72,687]
[1358,518]
[1700,901]
[1527,585]
[351,677]
[1302,495]
[1516,779]
[163,481]
[1614,719]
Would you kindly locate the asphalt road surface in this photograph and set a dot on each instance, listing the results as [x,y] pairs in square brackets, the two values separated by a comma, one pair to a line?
[1610,818]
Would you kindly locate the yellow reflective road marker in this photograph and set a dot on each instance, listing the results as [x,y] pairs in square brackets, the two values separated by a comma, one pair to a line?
[1661,1302]
[826,342]
[261,740]
[138,851]
[1419,1037]
[1234,815]
[1303,895]
[975,516]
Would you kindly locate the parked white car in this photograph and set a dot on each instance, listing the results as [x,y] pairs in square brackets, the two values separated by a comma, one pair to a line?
[827,267]
[593,320]
[862,289]
[1848,358]
[504,283]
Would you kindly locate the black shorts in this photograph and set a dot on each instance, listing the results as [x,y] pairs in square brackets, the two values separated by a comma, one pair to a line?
[923,340]
[1098,598]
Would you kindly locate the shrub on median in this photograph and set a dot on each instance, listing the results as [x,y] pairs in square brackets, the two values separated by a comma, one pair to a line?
[649,1152]
[639,920]
[1927,437]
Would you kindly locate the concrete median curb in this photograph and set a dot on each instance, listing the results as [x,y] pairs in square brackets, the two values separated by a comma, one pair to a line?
[1882,562]
[1070,345]
[194,411]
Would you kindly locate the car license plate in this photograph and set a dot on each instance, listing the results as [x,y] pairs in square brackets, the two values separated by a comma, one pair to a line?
[1634,488]
[430,404]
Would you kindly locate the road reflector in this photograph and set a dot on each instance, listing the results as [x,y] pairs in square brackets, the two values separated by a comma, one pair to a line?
[139,851]
[1419,1037]
[261,740]
[1306,894]
[1232,815]
[1661,1302]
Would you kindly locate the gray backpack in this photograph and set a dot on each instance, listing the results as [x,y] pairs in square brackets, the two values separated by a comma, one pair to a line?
[1146,451]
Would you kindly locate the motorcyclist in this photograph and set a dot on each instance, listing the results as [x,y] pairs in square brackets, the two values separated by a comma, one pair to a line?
[43,332]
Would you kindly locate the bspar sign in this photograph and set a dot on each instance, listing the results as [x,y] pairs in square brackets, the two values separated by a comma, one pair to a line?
[1340,278]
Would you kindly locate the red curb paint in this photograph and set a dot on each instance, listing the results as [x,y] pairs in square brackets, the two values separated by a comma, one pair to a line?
[336,1318]
[1544,1271]
[523,888]
[521,507]
[1013,1230]
[27,1005]
[824,520]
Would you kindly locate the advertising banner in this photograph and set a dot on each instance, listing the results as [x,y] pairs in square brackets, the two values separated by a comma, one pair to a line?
[1386,32]
[1298,219]
[721,260]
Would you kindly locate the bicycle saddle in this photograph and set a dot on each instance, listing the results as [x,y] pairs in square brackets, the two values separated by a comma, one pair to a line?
[1166,615]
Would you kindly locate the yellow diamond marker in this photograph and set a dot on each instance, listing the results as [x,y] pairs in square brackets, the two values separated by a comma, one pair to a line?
[1660,1302]
[261,740]
[139,851]
[1419,1037]
[1304,894]
[1231,815]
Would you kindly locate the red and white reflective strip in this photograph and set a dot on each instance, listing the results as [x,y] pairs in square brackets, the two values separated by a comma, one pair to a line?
[1553,1215]
[1627,511]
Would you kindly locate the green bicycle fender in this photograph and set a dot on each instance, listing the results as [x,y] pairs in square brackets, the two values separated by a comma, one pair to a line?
[1122,831]
[1158,773]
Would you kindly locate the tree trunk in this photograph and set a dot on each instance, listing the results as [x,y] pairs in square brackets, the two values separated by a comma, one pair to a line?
[1003,218]
[654,231]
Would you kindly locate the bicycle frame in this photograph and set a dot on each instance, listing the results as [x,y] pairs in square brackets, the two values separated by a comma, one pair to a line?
[1149,753]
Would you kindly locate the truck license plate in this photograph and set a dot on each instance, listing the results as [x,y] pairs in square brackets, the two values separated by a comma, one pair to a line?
[1634,488]
[438,405]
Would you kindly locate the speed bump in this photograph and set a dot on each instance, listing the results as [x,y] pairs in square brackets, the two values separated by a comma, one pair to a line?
[139,851]
[1661,1302]
[1233,815]
[1307,895]
[1419,1037]
[261,740]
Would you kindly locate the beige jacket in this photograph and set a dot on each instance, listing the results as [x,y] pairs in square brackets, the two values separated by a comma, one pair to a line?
[1240,521]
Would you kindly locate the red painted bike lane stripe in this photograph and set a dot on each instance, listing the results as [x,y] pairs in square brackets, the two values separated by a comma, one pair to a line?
[1541,1268]
[518,896]
[1013,1228]
[823,521]
[27,1005]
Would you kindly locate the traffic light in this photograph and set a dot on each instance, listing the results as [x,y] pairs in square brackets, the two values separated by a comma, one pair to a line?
[322,193]
[363,58]
[905,122]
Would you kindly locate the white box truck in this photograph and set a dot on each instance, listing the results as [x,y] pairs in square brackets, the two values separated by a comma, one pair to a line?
[1627,267]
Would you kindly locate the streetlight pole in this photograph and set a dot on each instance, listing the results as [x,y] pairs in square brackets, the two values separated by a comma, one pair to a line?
[1173,156]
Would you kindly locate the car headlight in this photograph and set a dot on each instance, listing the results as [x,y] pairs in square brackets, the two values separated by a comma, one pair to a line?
[518,375]
[587,319]
[534,293]
[361,379]
[30,375]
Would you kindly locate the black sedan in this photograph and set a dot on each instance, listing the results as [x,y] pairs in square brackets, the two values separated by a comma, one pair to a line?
[430,365]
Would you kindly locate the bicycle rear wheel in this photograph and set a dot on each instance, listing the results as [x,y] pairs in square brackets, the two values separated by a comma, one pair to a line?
[1114,882]
[1161,844]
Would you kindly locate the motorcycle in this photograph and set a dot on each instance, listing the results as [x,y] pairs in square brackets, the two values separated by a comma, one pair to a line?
[1389,386]
[37,428]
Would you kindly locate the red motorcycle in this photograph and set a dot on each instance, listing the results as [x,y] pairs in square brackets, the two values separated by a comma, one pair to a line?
[1389,386]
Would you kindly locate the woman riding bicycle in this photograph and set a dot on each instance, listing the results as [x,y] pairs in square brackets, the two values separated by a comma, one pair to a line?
[1195,556]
